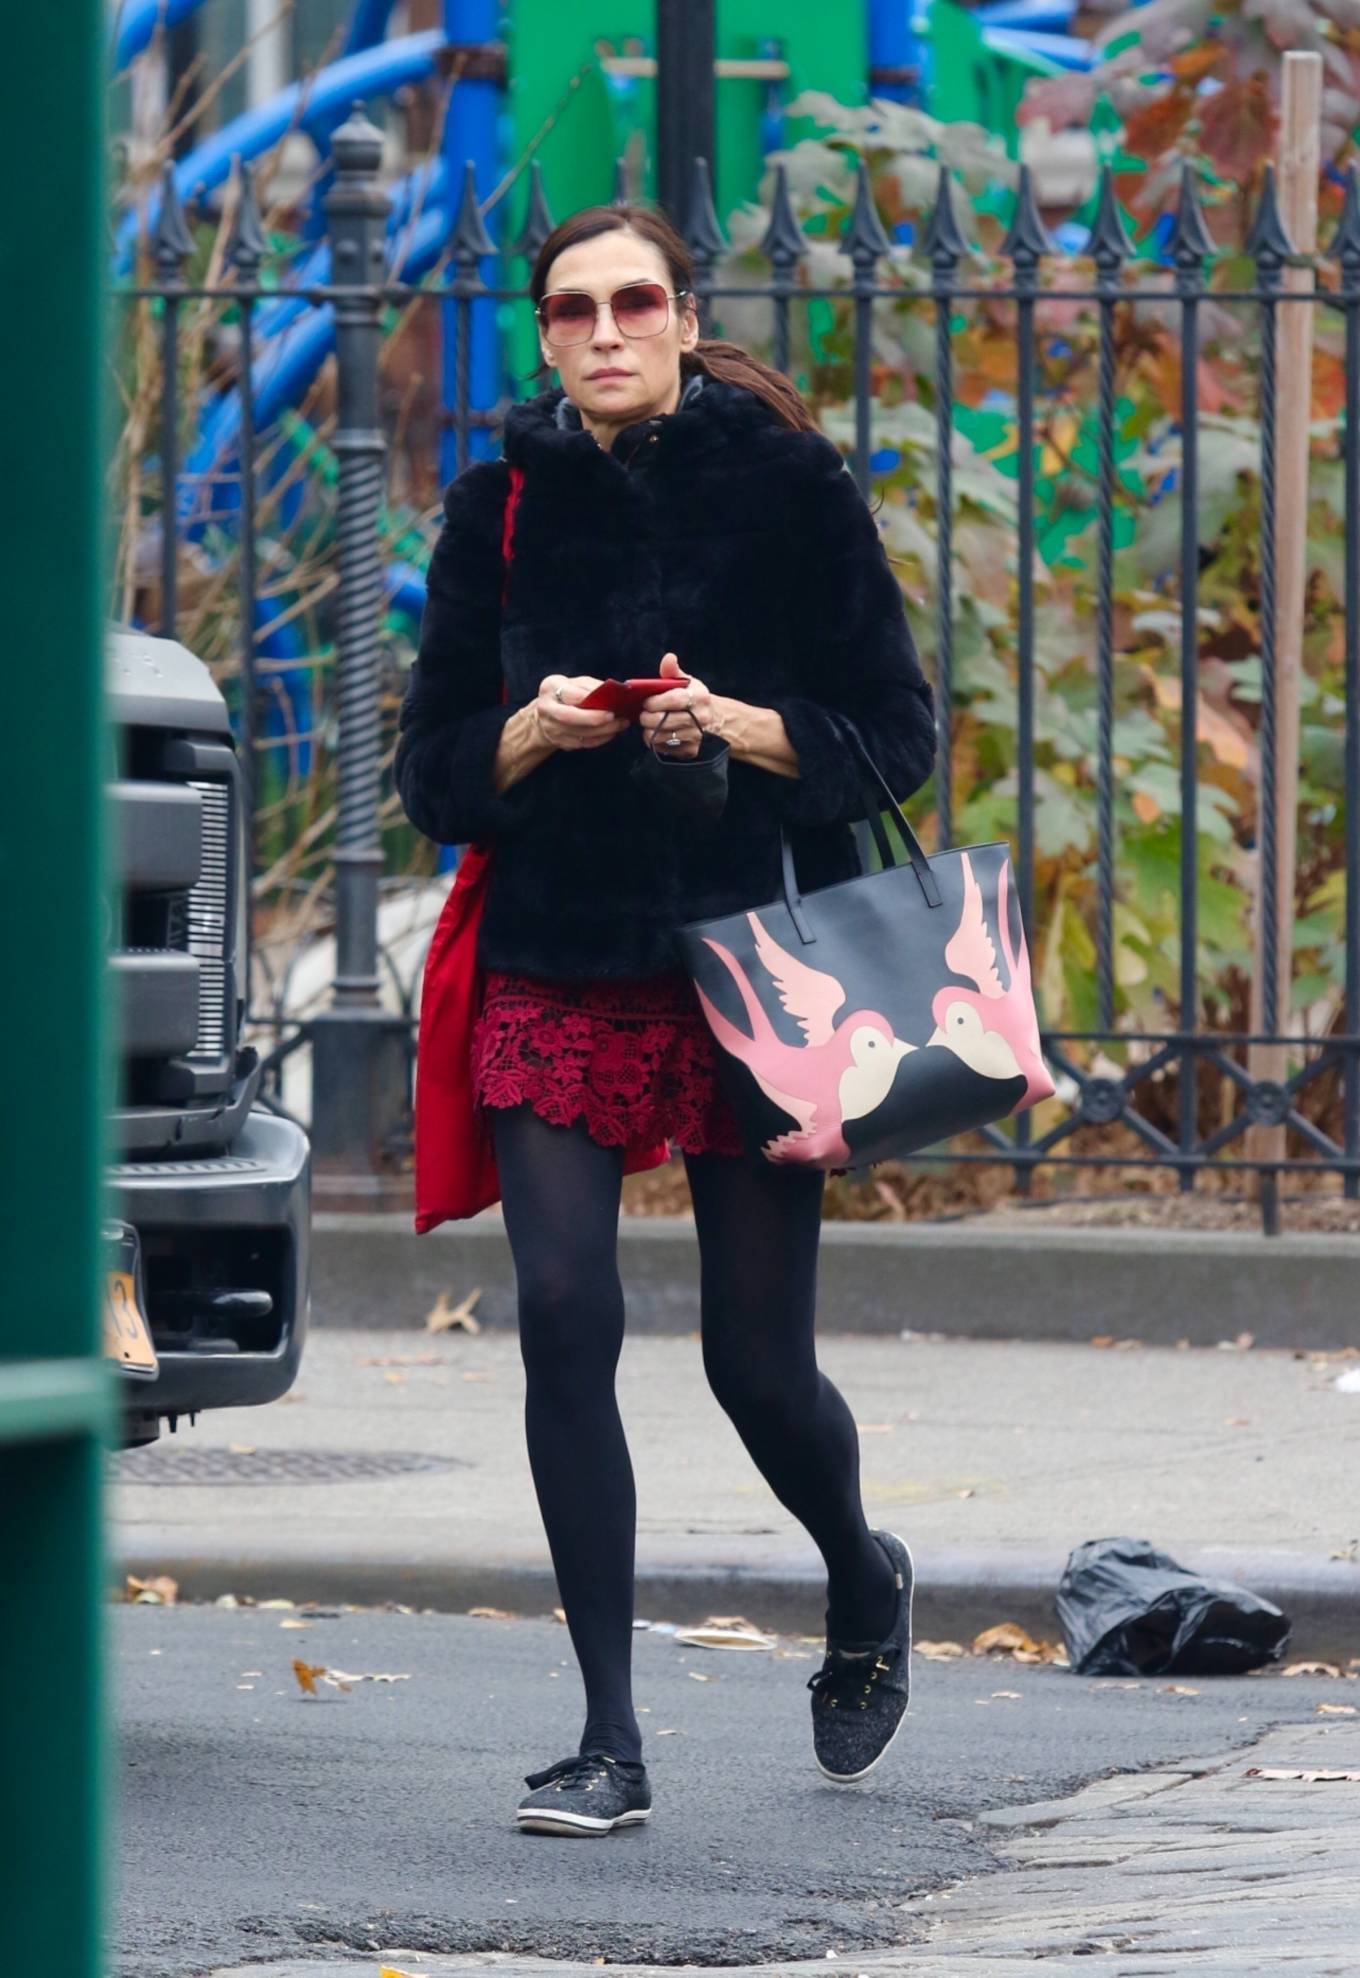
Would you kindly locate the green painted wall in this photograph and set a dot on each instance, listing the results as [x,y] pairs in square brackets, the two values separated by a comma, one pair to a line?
[592,119]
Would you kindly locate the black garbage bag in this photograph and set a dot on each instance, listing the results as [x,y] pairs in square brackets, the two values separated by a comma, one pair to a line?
[1129,1610]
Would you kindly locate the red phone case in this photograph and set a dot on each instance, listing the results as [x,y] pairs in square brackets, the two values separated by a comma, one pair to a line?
[627,696]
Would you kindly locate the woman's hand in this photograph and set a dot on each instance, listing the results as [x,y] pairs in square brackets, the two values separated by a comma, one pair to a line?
[660,711]
[563,725]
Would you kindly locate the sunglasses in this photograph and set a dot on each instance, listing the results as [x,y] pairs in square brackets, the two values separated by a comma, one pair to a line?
[641,309]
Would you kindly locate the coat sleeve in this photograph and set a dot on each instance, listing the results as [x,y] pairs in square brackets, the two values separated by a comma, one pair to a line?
[452,714]
[859,655]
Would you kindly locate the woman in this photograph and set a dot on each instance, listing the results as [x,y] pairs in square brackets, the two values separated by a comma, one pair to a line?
[678,514]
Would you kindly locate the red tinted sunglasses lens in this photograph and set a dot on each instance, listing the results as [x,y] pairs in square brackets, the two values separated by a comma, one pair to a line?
[569,318]
[640,311]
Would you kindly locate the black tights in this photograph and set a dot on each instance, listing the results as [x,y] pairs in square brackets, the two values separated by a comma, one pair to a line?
[758,1228]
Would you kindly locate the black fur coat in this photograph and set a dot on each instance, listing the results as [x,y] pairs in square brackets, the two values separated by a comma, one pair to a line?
[718,533]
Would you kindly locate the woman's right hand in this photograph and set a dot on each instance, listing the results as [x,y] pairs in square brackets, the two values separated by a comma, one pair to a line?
[563,725]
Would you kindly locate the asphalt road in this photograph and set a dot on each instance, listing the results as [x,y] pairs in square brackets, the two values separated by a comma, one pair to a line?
[257,1825]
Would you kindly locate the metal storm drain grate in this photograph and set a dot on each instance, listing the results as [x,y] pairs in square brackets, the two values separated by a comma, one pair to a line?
[203,1464]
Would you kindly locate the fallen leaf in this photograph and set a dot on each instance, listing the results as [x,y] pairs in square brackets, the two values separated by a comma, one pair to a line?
[444,1317]
[476,1376]
[1178,1689]
[394,1378]
[158,1591]
[295,1624]
[276,1603]
[695,1677]
[1311,1669]
[241,1448]
[492,1614]
[714,1637]
[307,1673]
[939,1651]
[1005,1692]
[1007,1636]
[343,1677]
[391,1971]
[1103,1339]
[969,1492]
[1244,1341]
[1236,1422]
[670,1732]
[1337,1710]
[875,1428]
[560,1614]
[226,1600]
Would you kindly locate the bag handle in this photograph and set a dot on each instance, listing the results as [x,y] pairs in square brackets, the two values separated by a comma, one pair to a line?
[916,857]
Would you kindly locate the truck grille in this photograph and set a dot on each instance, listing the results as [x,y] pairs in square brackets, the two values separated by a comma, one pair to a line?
[207,920]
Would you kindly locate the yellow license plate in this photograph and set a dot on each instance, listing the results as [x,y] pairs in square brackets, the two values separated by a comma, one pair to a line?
[127,1337]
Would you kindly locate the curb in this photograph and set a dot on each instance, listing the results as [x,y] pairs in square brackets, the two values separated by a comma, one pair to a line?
[958,1594]
[961,1279]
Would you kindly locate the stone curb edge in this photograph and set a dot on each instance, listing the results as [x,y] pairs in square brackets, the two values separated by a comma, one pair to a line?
[957,1595]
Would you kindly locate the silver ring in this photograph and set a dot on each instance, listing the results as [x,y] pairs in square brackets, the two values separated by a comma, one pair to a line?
[673,741]
[557,693]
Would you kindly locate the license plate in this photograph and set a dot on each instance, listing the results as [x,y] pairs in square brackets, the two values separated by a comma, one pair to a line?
[127,1337]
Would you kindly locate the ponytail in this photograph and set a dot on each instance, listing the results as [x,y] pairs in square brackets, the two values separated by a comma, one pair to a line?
[735,366]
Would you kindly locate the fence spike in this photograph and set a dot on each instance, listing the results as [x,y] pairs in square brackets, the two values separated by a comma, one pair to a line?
[1268,242]
[703,235]
[1028,239]
[1345,243]
[246,245]
[622,194]
[1189,241]
[864,239]
[538,221]
[943,238]
[783,241]
[1109,246]
[171,242]
[470,240]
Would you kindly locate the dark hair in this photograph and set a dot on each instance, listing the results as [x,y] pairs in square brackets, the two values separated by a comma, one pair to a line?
[712,355]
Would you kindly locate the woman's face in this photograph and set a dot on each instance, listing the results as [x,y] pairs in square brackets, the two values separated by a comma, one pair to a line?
[615,379]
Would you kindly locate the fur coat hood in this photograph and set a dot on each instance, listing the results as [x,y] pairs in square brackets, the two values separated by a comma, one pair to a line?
[716,532]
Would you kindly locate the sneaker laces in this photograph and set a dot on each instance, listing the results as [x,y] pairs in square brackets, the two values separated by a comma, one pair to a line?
[846,1671]
[575,1771]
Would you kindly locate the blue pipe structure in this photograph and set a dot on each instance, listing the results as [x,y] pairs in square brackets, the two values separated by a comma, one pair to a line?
[138,20]
[470,132]
[372,72]
[1067,50]
[1030,16]
[893,44]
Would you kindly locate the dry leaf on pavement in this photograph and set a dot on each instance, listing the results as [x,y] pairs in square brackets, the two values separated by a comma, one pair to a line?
[1008,1638]
[939,1651]
[344,1677]
[1311,1669]
[1337,1710]
[560,1614]
[158,1591]
[492,1614]
[1178,1689]
[309,1674]
[710,1636]
[444,1317]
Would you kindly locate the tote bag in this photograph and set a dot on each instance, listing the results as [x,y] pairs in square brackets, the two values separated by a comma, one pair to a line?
[879,1015]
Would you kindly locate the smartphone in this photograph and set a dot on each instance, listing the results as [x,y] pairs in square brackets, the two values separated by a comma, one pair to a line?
[626,696]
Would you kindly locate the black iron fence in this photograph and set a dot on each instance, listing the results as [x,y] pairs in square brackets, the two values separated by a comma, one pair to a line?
[1178,1078]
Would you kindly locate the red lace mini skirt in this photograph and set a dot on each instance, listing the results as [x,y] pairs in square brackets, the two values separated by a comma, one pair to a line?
[634,1059]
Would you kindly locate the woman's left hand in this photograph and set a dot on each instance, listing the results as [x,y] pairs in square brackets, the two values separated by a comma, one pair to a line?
[667,712]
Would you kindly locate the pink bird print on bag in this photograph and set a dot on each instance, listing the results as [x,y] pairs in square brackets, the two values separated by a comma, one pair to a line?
[842,1072]
[993,1030]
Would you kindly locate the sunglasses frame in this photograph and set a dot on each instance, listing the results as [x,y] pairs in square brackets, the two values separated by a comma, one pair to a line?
[634,337]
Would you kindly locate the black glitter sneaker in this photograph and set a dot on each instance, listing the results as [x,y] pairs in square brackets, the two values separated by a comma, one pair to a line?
[590,1793]
[860,1693]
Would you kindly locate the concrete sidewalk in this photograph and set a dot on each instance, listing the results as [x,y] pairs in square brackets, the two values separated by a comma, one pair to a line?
[993,1458]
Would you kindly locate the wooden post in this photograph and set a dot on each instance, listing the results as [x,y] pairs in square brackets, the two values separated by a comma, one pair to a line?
[1299,163]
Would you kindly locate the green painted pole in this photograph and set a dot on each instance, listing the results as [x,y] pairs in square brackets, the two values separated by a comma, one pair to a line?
[54,1396]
